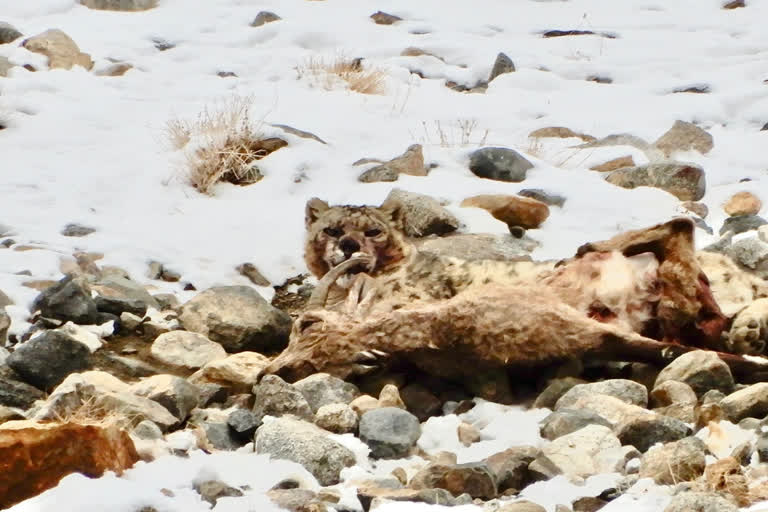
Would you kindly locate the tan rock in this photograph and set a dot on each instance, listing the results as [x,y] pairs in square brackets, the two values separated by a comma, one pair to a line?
[743,203]
[559,132]
[363,404]
[116,69]
[238,371]
[684,136]
[390,397]
[616,163]
[61,50]
[699,209]
[512,210]
[411,162]
[35,456]
[468,434]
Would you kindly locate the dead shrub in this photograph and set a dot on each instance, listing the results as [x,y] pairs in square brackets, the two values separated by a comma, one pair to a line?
[221,145]
[330,73]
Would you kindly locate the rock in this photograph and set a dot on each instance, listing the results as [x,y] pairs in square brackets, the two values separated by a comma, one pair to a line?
[751,253]
[186,349]
[68,300]
[699,209]
[751,401]
[238,318]
[5,66]
[559,132]
[250,271]
[699,502]
[554,390]
[8,33]
[742,223]
[239,372]
[674,462]
[264,17]
[503,64]
[588,504]
[672,392]
[221,437]
[243,424]
[611,408]
[734,4]
[510,468]
[118,294]
[47,359]
[421,215]
[363,404]
[296,500]
[305,444]
[644,432]
[420,401]
[743,203]
[684,181]
[625,390]
[14,393]
[322,389]
[699,369]
[147,430]
[378,174]
[390,397]
[411,162]
[585,452]
[275,397]
[566,421]
[38,455]
[61,50]
[382,18]
[389,432]
[336,418]
[212,490]
[174,393]
[77,230]
[684,136]
[120,5]
[479,246]
[726,477]
[542,196]
[522,506]
[5,324]
[512,210]
[374,497]
[761,448]
[616,163]
[473,478]
[114,69]
[468,434]
[501,164]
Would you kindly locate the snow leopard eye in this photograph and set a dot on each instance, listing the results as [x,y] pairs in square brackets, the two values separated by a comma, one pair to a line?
[334,232]
[372,233]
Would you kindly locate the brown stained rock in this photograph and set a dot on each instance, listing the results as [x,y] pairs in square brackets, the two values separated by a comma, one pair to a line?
[734,4]
[473,478]
[512,210]
[743,203]
[560,132]
[684,136]
[61,50]
[35,456]
[695,208]
[616,163]
[411,162]
[382,18]
[685,181]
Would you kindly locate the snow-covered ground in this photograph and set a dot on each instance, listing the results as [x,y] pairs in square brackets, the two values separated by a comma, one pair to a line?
[92,149]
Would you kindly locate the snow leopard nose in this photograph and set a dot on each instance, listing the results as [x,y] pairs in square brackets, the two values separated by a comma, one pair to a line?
[349,246]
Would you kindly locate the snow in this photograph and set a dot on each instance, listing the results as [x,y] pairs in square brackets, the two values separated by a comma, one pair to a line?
[92,149]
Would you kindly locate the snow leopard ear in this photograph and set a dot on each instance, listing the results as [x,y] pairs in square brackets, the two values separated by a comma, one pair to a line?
[394,211]
[314,208]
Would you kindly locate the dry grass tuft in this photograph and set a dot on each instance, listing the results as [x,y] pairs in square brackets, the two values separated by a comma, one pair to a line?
[329,74]
[227,145]
[464,132]
[90,411]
